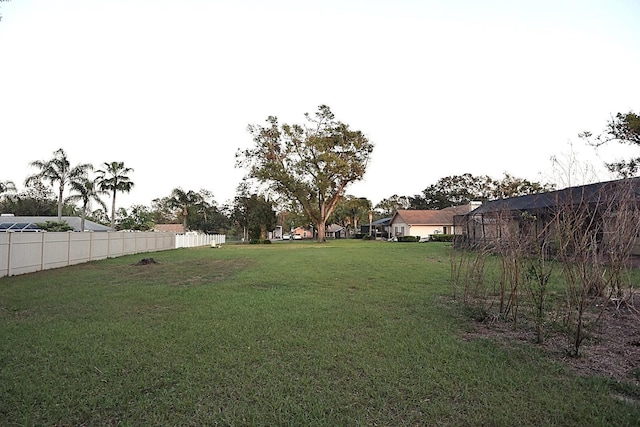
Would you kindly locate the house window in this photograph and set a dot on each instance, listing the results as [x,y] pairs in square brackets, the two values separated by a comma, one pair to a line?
[444,230]
[402,230]
[395,230]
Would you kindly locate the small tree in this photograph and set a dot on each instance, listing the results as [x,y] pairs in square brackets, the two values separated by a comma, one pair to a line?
[55,226]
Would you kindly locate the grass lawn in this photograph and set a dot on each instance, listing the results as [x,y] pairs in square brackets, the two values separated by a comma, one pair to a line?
[347,333]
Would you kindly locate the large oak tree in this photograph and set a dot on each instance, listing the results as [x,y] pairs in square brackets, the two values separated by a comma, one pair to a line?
[312,163]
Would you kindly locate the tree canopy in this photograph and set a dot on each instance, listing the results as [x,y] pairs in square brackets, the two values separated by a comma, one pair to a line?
[351,211]
[388,206]
[86,191]
[114,177]
[58,171]
[312,163]
[253,213]
[623,128]
[7,187]
[462,189]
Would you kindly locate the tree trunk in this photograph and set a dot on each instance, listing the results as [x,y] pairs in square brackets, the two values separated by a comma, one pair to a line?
[321,231]
[185,214]
[83,217]
[60,191]
[113,209]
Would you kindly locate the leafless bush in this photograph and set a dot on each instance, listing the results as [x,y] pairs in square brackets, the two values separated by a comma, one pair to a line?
[587,233]
[595,235]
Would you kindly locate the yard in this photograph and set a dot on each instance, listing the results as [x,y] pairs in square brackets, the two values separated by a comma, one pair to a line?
[302,334]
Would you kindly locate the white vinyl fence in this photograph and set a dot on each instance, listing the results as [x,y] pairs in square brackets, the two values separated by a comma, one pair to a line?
[28,252]
[192,240]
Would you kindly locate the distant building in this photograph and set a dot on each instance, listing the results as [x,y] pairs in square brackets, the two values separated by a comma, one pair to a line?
[10,223]
[169,228]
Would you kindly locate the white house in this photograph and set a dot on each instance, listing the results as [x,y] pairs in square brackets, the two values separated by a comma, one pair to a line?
[409,222]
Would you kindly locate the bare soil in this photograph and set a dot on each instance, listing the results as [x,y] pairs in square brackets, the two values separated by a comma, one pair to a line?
[146,261]
[612,350]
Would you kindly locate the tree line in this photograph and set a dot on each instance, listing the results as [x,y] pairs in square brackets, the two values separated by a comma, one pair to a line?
[297,175]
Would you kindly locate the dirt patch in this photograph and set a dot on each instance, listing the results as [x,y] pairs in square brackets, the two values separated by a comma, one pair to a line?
[190,272]
[612,350]
[146,261]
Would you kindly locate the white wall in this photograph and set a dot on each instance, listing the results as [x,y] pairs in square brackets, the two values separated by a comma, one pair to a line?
[425,230]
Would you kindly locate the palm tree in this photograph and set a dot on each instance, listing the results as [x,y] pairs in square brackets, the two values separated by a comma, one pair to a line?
[7,187]
[113,177]
[183,201]
[57,170]
[87,191]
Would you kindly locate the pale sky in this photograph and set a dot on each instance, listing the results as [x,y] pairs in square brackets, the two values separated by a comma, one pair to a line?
[440,87]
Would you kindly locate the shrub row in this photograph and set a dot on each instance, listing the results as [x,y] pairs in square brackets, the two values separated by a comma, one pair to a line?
[408,238]
[441,238]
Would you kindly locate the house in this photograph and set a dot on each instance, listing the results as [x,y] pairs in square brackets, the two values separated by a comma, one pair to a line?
[169,228]
[380,228]
[334,231]
[413,222]
[276,233]
[304,233]
[594,205]
[30,223]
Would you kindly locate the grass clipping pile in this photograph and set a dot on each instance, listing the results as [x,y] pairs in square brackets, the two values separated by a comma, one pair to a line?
[612,349]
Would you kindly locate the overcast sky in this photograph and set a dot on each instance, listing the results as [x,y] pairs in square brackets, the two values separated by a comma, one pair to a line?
[440,87]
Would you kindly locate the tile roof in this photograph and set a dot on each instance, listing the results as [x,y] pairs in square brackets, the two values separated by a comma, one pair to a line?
[169,228]
[430,217]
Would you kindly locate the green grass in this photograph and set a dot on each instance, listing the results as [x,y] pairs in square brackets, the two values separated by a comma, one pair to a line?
[346,333]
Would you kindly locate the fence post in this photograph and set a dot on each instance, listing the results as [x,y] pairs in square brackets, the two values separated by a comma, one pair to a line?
[9,256]
[42,251]
[69,248]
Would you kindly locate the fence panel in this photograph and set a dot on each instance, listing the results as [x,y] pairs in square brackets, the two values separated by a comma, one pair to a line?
[55,252]
[99,246]
[22,253]
[25,253]
[29,252]
[129,243]
[80,247]
[5,241]
[194,240]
